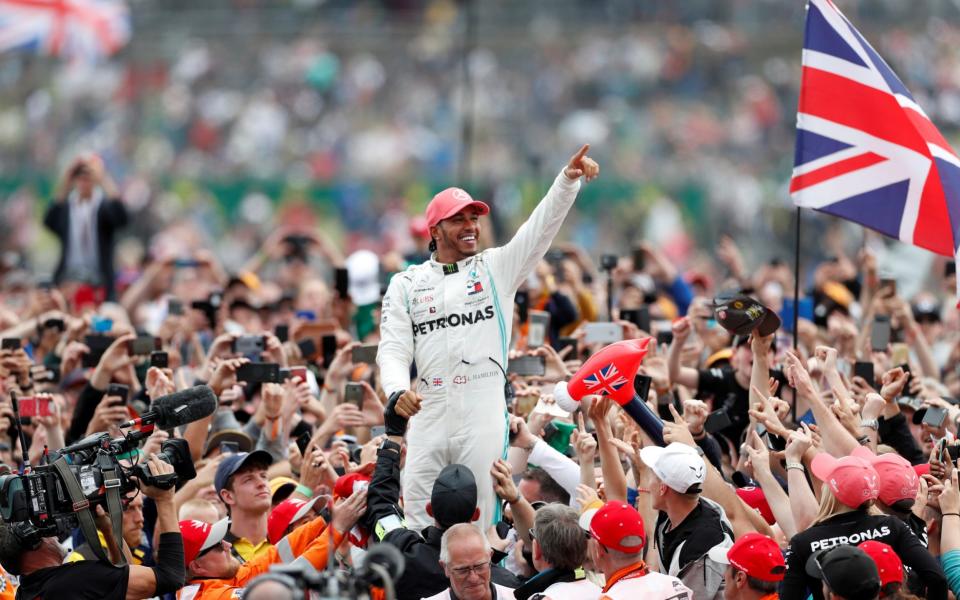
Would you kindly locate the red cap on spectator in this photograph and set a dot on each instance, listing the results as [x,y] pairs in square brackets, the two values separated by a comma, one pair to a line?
[757,500]
[888,563]
[347,484]
[198,536]
[449,202]
[852,479]
[615,521]
[754,554]
[898,480]
[288,511]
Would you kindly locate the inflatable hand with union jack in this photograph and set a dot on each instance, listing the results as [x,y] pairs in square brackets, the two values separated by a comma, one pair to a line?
[610,372]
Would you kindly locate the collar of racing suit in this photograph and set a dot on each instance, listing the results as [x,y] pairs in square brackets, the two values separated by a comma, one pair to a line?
[450,268]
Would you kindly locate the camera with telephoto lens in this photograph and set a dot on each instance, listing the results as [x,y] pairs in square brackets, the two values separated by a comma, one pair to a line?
[382,566]
[40,501]
[56,496]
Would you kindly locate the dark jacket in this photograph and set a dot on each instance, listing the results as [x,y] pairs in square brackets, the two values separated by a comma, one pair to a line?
[111,216]
[423,576]
[853,528]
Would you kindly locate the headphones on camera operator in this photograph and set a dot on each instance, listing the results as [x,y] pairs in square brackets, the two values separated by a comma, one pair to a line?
[52,498]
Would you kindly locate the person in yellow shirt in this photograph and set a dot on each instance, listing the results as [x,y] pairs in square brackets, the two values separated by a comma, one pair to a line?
[242,484]
[213,573]
[132,535]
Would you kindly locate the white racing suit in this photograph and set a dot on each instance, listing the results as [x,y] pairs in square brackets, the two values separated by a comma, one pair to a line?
[454,322]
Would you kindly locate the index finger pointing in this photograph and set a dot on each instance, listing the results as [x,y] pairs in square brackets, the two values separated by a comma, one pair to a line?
[580,425]
[580,153]
[676,416]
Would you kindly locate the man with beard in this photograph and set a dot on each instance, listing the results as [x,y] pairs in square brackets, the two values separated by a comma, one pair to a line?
[452,316]
[213,573]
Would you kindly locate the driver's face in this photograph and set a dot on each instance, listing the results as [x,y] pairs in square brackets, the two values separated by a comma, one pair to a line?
[460,233]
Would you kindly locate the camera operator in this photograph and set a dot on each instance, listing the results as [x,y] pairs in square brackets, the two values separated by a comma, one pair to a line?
[43,576]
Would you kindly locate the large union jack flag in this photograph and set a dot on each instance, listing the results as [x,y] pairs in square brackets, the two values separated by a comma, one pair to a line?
[605,381]
[77,29]
[865,149]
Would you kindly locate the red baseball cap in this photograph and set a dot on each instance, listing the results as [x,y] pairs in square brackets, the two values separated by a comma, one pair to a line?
[898,479]
[347,484]
[755,554]
[888,563]
[288,511]
[615,521]
[757,500]
[449,202]
[198,536]
[852,479]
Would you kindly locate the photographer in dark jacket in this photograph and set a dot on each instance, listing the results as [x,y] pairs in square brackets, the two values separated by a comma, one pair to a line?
[43,576]
[453,500]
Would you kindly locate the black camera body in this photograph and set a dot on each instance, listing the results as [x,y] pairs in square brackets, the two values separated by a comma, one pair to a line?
[39,502]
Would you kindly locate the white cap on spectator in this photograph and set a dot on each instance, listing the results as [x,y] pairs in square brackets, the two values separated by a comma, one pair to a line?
[678,465]
[363,268]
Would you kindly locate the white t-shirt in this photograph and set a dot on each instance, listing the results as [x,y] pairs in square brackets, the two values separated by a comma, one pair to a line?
[503,593]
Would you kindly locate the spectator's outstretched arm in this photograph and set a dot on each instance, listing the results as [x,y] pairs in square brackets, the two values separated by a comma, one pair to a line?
[527,447]
[679,374]
[803,503]
[777,498]
[523,513]
[836,439]
[614,479]
[742,518]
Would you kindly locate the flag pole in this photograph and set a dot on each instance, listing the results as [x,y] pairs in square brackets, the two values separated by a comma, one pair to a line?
[796,302]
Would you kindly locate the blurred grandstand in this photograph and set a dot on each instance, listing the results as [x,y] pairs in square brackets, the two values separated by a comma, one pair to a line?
[221,111]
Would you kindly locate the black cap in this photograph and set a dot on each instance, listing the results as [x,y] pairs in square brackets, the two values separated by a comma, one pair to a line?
[847,570]
[741,315]
[454,497]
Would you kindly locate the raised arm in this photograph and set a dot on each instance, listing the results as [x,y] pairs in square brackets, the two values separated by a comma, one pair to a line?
[679,374]
[514,260]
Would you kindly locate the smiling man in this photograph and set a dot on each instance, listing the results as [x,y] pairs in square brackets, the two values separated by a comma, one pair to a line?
[453,316]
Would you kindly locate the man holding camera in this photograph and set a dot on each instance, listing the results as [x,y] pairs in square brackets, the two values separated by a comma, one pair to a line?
[452,316]
[43,576]
[85,215]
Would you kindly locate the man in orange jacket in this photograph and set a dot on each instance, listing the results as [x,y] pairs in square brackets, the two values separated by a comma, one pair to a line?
[213,573]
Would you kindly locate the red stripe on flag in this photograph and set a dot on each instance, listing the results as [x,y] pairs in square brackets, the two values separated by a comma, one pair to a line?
[847,102]
[843,167]
[928,130]
[933,219]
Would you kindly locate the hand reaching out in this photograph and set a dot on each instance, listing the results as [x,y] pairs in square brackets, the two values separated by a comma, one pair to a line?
[581,165]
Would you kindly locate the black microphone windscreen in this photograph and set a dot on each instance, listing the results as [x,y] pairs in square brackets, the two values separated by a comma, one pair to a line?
[388,557]
[187,406]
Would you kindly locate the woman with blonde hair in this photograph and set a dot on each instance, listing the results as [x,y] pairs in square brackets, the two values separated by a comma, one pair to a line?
[847,517]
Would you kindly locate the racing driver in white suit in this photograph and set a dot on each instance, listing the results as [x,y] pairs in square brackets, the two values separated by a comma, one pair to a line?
[452,316]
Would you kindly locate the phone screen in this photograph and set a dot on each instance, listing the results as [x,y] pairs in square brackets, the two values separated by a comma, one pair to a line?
[342,282]
[302,440]
[365,354]
[717,420]
[935,416]
[880,334]
[539,322]
[329,346]
[865,370]
[353,394]
[527,366]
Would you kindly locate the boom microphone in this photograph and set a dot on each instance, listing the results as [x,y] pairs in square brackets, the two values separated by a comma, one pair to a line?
[178,408]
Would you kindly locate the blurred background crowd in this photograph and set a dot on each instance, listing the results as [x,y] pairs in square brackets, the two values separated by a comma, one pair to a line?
[236,113]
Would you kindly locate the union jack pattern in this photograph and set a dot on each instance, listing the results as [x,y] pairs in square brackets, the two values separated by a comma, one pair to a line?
[605,381]
[76,29]
[866,151]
